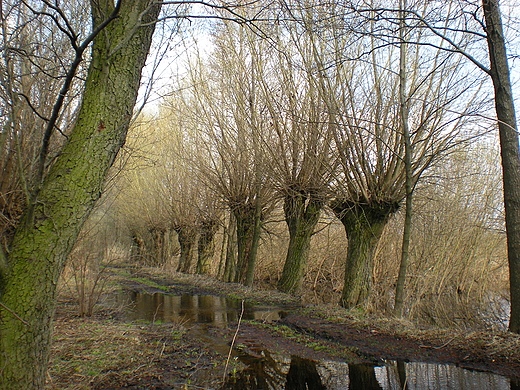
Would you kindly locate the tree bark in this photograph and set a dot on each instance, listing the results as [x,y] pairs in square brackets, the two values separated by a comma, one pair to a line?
[363,225]
[255,242]
[46,235]
[138,252]
[248,225]
[187,240]
[206,247]
[510,152]
[302,213]
[403,116]
[158,255]
[230,266]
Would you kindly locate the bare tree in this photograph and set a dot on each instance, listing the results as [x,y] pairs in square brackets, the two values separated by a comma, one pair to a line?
[298,144]
[362,96]
[142,199]
[66,182]
[230,108]
[195,210]
[35,57]
[409,182]
[467,34]
[458,263]
[507,128]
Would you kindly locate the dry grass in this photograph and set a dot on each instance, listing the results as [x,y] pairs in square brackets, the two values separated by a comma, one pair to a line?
[101,352]
[490,346]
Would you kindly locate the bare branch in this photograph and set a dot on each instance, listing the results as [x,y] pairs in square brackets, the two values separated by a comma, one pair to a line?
[51,124]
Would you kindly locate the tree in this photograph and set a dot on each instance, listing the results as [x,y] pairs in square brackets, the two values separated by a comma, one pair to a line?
[121,37]
[510,150]
[458,266]
[228,112]
[31,67]
[409,182]
[142,198]
[298,145]
[462,33]
[362,97]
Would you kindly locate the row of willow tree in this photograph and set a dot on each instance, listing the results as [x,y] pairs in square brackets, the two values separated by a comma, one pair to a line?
[304,117]
[339,106]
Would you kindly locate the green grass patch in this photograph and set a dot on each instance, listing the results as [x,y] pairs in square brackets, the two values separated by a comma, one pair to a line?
[148,282]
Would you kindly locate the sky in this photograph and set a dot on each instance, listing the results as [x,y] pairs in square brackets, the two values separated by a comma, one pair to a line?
[170,54]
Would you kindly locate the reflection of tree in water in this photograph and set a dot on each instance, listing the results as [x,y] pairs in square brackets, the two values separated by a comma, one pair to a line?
[362,377]
[401,374]
[303,375]
[266,373]
[262,373]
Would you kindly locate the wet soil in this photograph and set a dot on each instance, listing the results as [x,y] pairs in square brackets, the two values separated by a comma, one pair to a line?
[378,345]
[170,356]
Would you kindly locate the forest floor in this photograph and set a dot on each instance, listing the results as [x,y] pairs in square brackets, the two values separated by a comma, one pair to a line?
[109,351]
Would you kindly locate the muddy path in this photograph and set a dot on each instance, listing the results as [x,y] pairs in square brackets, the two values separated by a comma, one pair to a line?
[332,334]
[378,345]
[198,333]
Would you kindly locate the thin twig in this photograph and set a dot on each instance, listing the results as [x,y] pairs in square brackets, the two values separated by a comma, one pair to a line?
[440,347]
[14,314]
[233,341]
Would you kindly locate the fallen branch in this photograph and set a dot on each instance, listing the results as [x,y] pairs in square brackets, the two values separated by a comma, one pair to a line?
[233,342]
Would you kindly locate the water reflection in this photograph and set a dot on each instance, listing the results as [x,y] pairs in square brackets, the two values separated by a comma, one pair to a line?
[437,376]
[272,372]
[363,377]
[264,371]
[187,308]
[268,370]
[303,374]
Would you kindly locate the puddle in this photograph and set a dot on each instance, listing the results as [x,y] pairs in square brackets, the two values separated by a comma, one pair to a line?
[192,309]
[276,372]
[268,370]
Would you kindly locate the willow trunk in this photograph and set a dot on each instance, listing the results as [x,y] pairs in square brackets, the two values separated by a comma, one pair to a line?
[363,225]
[206,247]
[44,237]
[301,215]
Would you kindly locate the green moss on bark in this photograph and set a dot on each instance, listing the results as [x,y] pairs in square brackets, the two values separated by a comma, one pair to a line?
[302,212]
[364,224]
[47,233]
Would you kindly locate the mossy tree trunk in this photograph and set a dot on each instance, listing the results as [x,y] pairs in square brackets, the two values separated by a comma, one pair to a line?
[230,266]
[46,234]
[158,237]
[206,246]
[363,225]
[302,212]
[187,236]
[248,219]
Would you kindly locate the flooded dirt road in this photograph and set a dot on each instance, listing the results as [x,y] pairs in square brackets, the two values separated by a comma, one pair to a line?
[277,347]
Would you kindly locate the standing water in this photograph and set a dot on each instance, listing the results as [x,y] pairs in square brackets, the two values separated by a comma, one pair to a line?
[269,370]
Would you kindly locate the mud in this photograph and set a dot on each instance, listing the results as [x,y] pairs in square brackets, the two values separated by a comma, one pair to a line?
[359,341]
[200,358]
